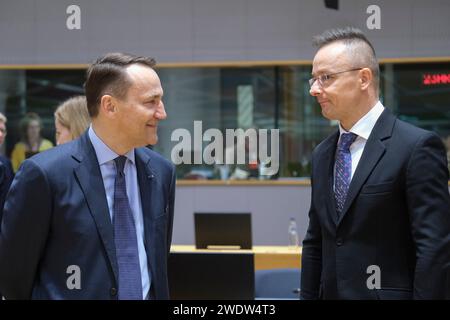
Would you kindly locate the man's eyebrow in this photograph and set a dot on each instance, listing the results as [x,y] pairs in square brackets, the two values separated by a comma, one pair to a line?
[154,95]
[322,71]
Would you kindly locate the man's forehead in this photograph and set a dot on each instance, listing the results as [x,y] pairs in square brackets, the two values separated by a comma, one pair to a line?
[139,71]
[145,80]
[330,57]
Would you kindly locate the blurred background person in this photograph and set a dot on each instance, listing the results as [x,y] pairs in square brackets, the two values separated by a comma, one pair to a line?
[6,171]
[32,142]
[71,119]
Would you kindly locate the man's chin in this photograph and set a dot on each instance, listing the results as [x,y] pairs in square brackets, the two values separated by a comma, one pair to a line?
[327,115]
[152,141]
[146,142]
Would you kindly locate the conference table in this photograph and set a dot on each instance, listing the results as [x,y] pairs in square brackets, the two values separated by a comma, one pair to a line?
[266,257]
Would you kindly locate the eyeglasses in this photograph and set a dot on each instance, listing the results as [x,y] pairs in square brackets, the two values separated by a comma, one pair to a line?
[326,77]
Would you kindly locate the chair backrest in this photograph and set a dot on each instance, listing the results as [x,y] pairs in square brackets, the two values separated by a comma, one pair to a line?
[277,283]
[212,275]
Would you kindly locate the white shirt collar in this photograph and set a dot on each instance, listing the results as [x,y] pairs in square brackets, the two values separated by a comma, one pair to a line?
[104,153]
[364,126]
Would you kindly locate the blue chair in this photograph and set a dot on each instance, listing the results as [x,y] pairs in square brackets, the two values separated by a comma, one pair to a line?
[277,284]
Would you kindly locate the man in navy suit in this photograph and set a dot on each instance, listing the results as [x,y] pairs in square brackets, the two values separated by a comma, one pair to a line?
[92,218]
[379,222]
[6,171]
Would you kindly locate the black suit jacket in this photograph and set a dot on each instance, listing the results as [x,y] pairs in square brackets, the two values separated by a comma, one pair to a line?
[56,215]
[6,178]
[396,217]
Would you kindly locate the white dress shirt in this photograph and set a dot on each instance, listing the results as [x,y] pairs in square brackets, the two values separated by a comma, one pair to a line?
[362,129]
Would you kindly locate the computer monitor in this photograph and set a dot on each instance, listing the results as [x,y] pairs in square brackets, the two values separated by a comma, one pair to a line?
[211,275]
[223,230]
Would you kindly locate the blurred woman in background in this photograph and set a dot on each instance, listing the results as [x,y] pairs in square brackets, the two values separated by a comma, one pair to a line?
[71,119]
[31,140]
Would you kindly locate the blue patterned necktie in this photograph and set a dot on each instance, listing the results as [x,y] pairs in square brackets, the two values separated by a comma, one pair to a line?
[343,170]
[130,285]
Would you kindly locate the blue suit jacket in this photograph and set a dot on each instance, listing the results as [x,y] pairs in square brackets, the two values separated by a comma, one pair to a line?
[6,177]
[56,216]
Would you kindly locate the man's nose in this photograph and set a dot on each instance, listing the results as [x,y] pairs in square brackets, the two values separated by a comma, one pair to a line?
[160,113]
[315,89]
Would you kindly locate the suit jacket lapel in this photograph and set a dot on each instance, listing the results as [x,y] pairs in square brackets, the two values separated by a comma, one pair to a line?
[325,185]
[146,180]
[91,182]
[373,151]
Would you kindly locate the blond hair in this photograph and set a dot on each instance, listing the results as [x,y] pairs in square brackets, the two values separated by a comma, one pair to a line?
[73,114]
[2,118]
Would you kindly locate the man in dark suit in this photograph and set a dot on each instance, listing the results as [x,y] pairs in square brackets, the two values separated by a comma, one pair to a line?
[379,223]
[6,178]
[6,171]
[92,218]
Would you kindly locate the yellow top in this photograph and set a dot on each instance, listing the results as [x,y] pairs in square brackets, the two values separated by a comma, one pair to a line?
[18,153]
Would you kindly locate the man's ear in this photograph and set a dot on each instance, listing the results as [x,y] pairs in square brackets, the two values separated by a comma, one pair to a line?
[365,78]
[108,105]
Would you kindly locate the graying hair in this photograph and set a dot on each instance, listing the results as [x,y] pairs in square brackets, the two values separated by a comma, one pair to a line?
[360,49]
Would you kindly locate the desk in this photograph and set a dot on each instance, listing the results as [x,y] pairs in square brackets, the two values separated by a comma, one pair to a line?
[266,257]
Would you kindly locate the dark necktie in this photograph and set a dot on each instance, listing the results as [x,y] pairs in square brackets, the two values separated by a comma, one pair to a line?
[343,170]
[130,285]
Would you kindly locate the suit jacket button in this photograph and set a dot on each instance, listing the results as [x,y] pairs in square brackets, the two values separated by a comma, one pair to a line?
[113,292]
[339,242]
